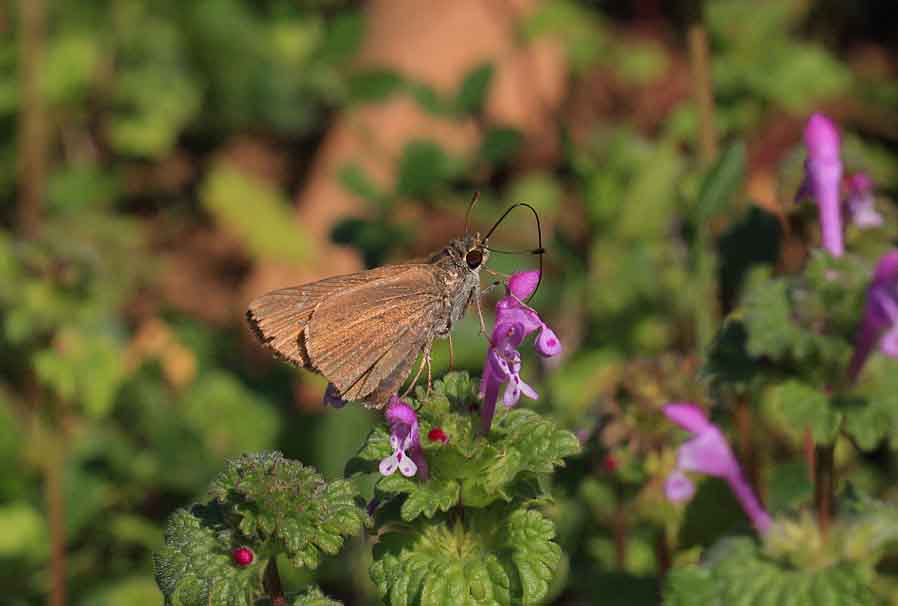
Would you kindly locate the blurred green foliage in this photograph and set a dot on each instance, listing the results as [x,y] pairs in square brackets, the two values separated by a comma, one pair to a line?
[126,374]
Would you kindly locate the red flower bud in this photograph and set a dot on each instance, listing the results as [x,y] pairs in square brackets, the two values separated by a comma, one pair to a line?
[610,464]
[243,556]
[437,435]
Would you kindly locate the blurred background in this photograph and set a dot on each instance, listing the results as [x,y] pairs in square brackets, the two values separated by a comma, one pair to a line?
[162,163]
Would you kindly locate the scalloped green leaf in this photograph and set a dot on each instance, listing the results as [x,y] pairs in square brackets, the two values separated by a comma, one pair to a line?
[313,597]
[803,406]
[289,506]
[195,566]
[738,574]
[768,316]
[494,556]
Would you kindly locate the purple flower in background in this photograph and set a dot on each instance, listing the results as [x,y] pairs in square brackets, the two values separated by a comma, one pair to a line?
[709,453]
[332,397]
[514,322]
[405,441]
[823,175]
[860,202]
[879,325]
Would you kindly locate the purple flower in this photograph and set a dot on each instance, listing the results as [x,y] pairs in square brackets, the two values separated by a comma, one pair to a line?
[709,453]
[860,204]
[405,441]
[823,174]
[879,325]
[514,322]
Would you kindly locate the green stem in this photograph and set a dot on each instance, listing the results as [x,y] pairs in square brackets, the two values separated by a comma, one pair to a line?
[824,485]
[272,583]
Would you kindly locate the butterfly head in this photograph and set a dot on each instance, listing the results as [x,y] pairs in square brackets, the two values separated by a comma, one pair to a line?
[469,252]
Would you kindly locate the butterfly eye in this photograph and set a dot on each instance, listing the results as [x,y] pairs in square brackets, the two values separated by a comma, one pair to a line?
[474,258]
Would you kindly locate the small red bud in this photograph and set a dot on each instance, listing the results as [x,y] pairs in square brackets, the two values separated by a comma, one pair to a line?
[610,464]
[243,556]
[437,435]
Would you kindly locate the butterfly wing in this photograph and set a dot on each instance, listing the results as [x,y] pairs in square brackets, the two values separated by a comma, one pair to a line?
[365,339]
[280,317]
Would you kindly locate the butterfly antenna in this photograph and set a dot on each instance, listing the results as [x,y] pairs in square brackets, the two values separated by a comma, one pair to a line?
[539,250]
[471,204]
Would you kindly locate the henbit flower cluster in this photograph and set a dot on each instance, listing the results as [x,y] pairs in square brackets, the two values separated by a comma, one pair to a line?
[822,181]
[514,322]
[709,453]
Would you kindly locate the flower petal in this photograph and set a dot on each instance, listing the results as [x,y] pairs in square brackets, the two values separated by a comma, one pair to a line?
[708,453]
[678,487]
[407,467]
[889,343]
[388,465]
[688,416]
[512,394]
[522,284]
[547,343]
[400,412]
[529,391]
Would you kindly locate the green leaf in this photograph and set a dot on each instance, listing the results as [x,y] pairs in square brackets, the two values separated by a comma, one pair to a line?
[721,183]
[423,167]
[195,567]
[499,145]
[313,597]
[768,316]
[356,180]
[473,90]
[803,406]
[289,507]
[423,497]
[273,234]
[375,85]
[738,574]
[495,556]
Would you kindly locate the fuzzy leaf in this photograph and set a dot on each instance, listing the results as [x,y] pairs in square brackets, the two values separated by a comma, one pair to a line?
[495,556]
[195,566]
[771,331]
[423,497]
[737,574]
[289,506]
[803,406]
[313,597]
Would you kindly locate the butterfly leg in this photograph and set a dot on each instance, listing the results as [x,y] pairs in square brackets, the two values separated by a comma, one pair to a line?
[451,353]
[411,386]
[429,372]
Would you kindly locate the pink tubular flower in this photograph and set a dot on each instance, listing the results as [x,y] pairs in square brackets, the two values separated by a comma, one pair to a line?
[860,204]
[879,325]
[405,441]
[514,321]
[709,453]
[823,174]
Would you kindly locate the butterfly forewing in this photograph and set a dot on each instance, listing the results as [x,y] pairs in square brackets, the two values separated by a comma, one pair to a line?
[279,317]
[364,339]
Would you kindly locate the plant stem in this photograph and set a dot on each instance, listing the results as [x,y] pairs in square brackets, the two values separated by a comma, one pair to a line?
[55,498]
[32,144]
[620,530]
[272,583]
[700,61]
[747,452]
[824,485]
